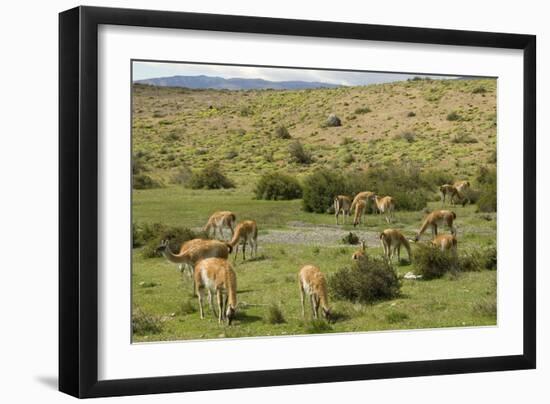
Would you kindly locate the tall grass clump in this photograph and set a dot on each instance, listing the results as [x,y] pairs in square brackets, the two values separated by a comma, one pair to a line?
[487,180]
[363,110]
[277,186]
[320,188]
[275,315]
[365,282]
[210,177]
[143,323]
[298,154]
[453,116]
[282,132]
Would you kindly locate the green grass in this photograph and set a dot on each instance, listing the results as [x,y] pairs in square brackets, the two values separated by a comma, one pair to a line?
[159,290]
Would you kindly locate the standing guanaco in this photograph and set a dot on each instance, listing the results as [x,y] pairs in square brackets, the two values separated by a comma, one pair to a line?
[437,218]
[219,220]
[392,240]
[217,276]
[194,250]
[364,196]
[450,190]
[246,232]
[342,204]
[360,210]
[385,205]
[313,283]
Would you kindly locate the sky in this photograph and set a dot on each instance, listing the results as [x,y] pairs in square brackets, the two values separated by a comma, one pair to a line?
[148,70]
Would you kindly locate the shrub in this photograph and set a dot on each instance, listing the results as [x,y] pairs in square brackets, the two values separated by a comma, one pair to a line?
[282,132]
[363,110]
[320,188]
[210,177]
[144,181]
[138,165]
[245,110]
[350,238]
[298,154]
[231,154]
[277,186]
[489,258]
[143,323]
[479,90]
[463,138]
[407,136]
[433,263]
[182,176]
[150,235]
[365,282]
[318,327]
[487,178]
[410,114]
[453,116]
[275,315]
[435,178]
[333,121]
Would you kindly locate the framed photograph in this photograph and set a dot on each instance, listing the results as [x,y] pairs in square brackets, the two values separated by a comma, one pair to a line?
[251,201]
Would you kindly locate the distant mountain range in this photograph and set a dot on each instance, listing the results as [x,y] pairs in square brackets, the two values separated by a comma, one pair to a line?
[219,83]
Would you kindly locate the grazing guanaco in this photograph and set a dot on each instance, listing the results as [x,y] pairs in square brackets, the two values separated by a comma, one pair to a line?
[342,204]
[194,250]
[448,189]
[313,283]
[360,254]
[437,218]
[360,210]
[462,186]
[385,205]
[217,276]
[246,232]
[364,196]
[392,240]
[218,221]
[446,242]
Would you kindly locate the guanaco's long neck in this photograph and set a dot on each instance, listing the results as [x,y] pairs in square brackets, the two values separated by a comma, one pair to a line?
[424,225]
[176,259]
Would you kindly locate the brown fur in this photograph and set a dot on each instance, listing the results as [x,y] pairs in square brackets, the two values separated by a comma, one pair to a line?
[446,242]
[342,204]
[312,282]
[360,210]
[361,196]
[392,240]
[218,221]
[360,254]
[217,276]
[245,232]
[385,205]
[436,218]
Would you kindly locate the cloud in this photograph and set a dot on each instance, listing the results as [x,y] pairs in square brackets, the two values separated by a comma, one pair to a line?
[147,70]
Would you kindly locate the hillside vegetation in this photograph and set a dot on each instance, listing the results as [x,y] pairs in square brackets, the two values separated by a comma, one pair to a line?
[444,124]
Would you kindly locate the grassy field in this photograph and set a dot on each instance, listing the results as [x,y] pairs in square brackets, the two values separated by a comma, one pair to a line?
[451,126]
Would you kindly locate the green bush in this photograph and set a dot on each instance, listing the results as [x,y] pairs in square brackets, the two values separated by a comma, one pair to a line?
[433,263]
[410,114]
[350,238]
[210,177]
[365,282]
[320,188]
[435,178]
[298,154]
[453,116]
[282,132]
[182,176]
[150,236]
[363,110]
[489,258]
[144,181]
[143,323]
[275,315]
[487,178]
[277,186]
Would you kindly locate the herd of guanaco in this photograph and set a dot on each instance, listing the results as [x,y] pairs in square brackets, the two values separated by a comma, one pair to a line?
[206,261]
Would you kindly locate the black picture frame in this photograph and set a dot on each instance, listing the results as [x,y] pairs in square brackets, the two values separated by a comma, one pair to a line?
[78,201]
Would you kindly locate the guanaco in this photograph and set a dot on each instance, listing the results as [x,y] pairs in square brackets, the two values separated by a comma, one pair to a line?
[342,204]
[446,242]
[392,240]
[194,250]
[437,218]
[450,190]
[361,196]
[360,210]
[246,232]
[462,186]
[385,205]
[217,276]
[313,283]
[218,221]
[360,254]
